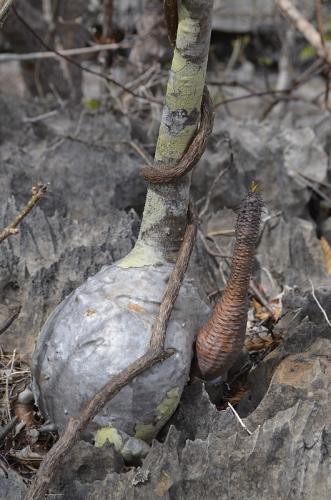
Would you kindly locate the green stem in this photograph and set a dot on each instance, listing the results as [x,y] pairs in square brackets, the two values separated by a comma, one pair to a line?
[164,218]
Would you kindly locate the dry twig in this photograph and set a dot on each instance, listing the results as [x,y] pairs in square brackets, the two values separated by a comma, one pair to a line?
[37,193]
[10,320]
[306,28]
[4,6]
[78,65]
[33,56]
[319,304]
[155,354]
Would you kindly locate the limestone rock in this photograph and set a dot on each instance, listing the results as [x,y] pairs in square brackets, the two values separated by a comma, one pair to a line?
[209,455]
[277,158]
[87,464]
[51,256]
[11,485]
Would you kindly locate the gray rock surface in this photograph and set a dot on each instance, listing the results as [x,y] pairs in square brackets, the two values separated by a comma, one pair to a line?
[207,454]
[86,158]
[12,486]
[48,259]
[88,464]
[81,153]
[234,16]
[268,153]
[290,254]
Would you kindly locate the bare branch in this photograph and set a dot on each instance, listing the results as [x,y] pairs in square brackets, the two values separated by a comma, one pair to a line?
[10,320]
[4,6]
[78,65]
[32,56]
[306,28]
[37,193]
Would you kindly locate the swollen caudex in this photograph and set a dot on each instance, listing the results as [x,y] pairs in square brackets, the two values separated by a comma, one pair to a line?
[102,327]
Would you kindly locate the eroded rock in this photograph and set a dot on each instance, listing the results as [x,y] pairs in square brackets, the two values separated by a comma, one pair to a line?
[208,454]
[50,257]
[277,158]
[11,485]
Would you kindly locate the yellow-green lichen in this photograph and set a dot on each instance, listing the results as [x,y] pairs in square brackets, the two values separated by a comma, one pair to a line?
[188,28]
[108,434]
[167,407]
[180,95]
[146,432]
[163,412]
[141,255]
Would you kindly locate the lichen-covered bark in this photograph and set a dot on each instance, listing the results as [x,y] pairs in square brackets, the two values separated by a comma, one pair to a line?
[164,218]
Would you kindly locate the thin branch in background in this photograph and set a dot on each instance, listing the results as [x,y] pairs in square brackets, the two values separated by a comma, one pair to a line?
[78,65]
[4,6]
[155,354]
[38,118]
[312,183]
[37,194]
[316,67]
[205,208]
[319,304]
[229,83]
[306,28]
[254,290]
[10,320]
[33,56]
[107,25]
[8,374]
[282,95]
[319,20]
[107,31]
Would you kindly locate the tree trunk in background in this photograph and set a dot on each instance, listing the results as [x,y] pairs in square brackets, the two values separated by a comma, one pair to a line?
[72,34]
[152,43]
[40,77]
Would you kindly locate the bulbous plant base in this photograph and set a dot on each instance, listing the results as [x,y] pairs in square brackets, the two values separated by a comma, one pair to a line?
[101,328]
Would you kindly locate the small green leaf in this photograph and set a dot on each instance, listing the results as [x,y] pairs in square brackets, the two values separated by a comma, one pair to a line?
[265,61]
[307,53]
[92,104]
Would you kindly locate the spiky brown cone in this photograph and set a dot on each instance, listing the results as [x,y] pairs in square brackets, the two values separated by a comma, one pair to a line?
[220,341]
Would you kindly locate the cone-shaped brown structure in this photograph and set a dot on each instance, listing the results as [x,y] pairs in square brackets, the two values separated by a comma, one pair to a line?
[220,341]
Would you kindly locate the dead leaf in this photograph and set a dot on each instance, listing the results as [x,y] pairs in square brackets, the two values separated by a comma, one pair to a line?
[164,484]
[90,312]
[25,413]
[327,253]
[26,455]
[136,308]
